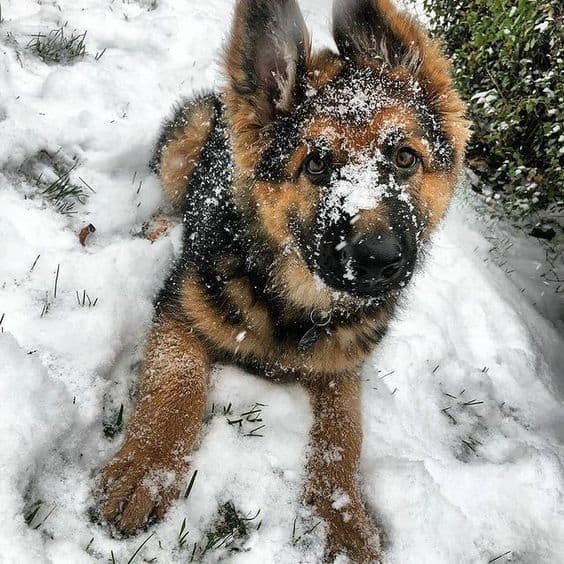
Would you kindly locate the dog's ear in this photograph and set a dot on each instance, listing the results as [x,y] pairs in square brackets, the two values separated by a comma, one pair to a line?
[267,56]
[375,29]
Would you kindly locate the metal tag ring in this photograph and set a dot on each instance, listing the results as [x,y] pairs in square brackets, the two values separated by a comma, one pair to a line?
[324,318]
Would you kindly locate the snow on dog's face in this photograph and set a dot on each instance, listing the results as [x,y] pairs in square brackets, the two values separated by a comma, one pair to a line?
[346,162]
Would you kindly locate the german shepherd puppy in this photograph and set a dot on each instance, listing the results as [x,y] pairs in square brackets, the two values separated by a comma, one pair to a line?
[309,186]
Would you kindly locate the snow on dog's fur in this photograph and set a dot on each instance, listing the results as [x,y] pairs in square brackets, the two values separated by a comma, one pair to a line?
[309,186]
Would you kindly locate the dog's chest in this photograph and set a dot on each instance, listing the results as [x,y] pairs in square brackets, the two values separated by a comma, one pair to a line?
[241,328]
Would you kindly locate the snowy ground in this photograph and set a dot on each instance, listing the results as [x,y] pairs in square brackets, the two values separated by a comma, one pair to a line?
[463,458]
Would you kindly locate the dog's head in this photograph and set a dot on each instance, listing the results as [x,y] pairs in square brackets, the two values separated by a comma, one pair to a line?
[345,162]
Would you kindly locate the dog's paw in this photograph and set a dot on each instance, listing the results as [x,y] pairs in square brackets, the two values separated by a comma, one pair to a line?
[352,534]
[157,227]
[359,544]
[132,492]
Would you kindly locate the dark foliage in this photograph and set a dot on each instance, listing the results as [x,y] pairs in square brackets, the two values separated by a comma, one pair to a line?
[58,46]
[509,63]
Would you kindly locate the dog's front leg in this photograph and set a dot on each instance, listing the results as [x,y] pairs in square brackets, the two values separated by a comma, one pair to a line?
[144,477]
[334,453]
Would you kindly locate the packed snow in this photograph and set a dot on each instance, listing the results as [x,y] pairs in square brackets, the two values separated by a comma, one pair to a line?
[463,458]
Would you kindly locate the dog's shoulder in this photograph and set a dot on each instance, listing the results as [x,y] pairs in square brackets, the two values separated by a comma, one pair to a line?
[183,136]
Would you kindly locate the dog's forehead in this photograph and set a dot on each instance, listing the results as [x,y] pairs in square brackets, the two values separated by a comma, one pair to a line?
[357,94]
[354,97]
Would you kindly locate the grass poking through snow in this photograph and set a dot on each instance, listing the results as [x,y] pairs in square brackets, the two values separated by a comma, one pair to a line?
[115,426]
[183,534]
[497,558]
[63,193]
[191,484]
[306,533]
[31,516]
[230,531]
[58,46]
[84,300]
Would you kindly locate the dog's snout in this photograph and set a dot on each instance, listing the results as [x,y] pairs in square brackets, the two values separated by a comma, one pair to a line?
[365,264]
[378,258]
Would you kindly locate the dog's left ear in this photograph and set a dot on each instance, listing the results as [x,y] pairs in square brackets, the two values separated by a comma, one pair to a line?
[266,57]
[374,28]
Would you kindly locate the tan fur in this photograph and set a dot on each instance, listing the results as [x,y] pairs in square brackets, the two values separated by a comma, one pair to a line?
[161,431]
[157,227]
[337,356]
[323,66]
[347,140]
[299,287]
[275,204]
[333,465]
[434,196]
[433,72]
[180,155]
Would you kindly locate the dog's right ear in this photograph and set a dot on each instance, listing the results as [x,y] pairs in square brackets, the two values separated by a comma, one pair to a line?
[265,60]
[267,54]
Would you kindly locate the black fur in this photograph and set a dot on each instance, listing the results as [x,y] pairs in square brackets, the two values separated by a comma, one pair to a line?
[358,22]
[208,204]
[265,25]
[285,135]
[286,132]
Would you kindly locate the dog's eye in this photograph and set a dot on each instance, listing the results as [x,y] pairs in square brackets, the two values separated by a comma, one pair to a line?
[317,167]
[406,159]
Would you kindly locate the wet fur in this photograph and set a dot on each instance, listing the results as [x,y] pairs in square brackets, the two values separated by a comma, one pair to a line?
[243,292]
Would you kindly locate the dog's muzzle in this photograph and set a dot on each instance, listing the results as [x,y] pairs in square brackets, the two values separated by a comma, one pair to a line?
[366,265]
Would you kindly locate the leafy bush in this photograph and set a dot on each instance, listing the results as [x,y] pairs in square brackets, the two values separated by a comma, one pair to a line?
[508,59]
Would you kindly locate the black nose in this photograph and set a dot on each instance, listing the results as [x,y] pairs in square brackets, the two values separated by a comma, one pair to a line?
[376,258]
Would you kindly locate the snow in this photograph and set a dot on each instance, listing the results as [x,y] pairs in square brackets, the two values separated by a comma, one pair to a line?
[360,186]
[352,191]
[463,457]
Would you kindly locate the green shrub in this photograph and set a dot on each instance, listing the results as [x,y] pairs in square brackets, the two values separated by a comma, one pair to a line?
[508,59]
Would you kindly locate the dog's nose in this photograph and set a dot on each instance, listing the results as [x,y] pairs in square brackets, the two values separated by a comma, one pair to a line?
[376,258]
